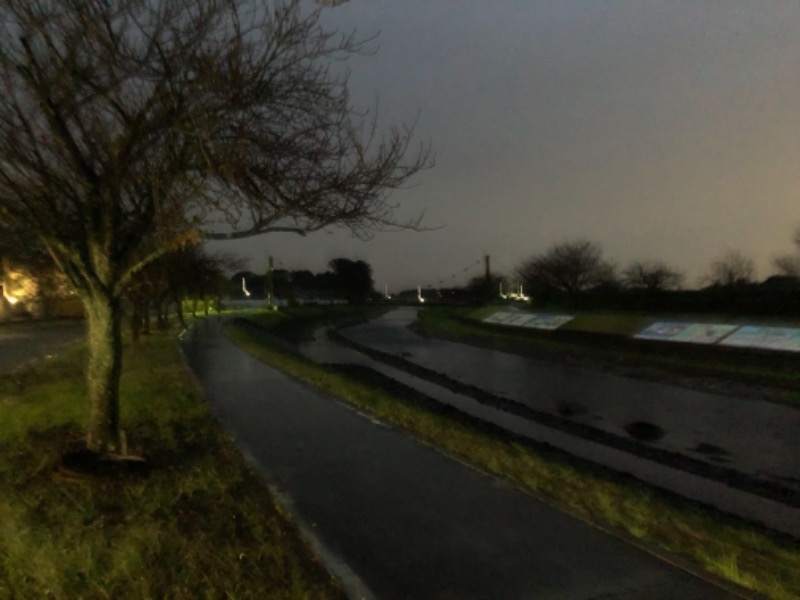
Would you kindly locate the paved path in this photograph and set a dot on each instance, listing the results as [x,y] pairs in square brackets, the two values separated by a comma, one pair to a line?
[404,520]
[25,341]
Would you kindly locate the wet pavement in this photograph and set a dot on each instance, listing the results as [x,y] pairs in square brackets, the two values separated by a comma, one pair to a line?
[755,438]
[397,519]
[21,342]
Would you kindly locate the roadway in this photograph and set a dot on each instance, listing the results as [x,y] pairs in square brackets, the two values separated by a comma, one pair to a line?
[22,342]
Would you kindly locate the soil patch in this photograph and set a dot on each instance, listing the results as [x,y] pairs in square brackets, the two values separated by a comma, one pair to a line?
[84,464]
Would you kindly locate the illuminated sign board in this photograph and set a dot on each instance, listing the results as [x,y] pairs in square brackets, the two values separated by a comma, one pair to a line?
[533,321]
[547,321]
[519,319]
[770,338]
[498,317]
[693,333]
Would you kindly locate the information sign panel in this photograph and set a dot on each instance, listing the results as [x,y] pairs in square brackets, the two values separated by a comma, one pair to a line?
[519,319]
[499,317]
[548,321]
[771,338]
[693,333]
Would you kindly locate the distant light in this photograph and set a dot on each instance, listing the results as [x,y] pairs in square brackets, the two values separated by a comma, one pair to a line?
[12,299]
[244,288]
[519,295]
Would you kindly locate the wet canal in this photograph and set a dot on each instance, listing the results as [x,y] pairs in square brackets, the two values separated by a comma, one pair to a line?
[753,436]
[734,453]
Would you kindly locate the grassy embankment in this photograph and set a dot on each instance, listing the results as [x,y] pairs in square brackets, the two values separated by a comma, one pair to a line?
[192,522]
[604,340]
[728,548]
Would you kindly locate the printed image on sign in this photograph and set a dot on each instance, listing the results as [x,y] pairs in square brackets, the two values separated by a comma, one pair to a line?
[548,321]
[519,319]
[693,333]
[771,338]
[662,330]
[498,317]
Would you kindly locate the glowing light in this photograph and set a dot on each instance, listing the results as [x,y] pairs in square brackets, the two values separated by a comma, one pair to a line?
[12,299]
[244,288]
[419,295]
[518,295]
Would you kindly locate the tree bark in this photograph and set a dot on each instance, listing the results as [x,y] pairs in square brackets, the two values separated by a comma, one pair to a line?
[104,319]
[179,311]
[136,321]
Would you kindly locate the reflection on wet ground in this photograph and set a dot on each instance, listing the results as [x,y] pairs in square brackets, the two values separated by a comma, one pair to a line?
[734,437]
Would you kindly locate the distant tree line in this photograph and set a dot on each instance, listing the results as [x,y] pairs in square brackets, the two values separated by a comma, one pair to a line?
[576,275]
[347,280]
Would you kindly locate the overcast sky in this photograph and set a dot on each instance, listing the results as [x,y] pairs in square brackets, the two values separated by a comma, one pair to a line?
[662,129]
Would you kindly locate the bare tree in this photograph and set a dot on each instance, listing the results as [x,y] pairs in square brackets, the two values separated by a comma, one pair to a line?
[173,278]
[130,128]
[734,268]
[789,264]
[569,267]
[652,276]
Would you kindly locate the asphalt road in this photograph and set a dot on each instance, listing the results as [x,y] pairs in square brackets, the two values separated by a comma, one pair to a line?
[22,342]
[396,519]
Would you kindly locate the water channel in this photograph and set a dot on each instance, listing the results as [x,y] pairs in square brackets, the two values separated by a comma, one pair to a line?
[701,445]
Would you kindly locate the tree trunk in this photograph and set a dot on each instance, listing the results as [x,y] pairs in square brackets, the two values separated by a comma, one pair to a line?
[179,311]
[104,320]
[136,321]
[162,318]
[146,317]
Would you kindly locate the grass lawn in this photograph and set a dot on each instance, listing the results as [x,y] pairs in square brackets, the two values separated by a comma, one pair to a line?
[728,548]
[192,522]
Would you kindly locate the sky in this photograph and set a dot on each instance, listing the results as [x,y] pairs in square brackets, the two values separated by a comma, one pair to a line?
[660,129]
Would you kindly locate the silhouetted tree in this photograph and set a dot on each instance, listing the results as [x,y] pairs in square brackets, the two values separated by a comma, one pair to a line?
[179,275]
[732,269]
[569,267]
[789,264]
[130,128]
[353,279]
[652,276]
